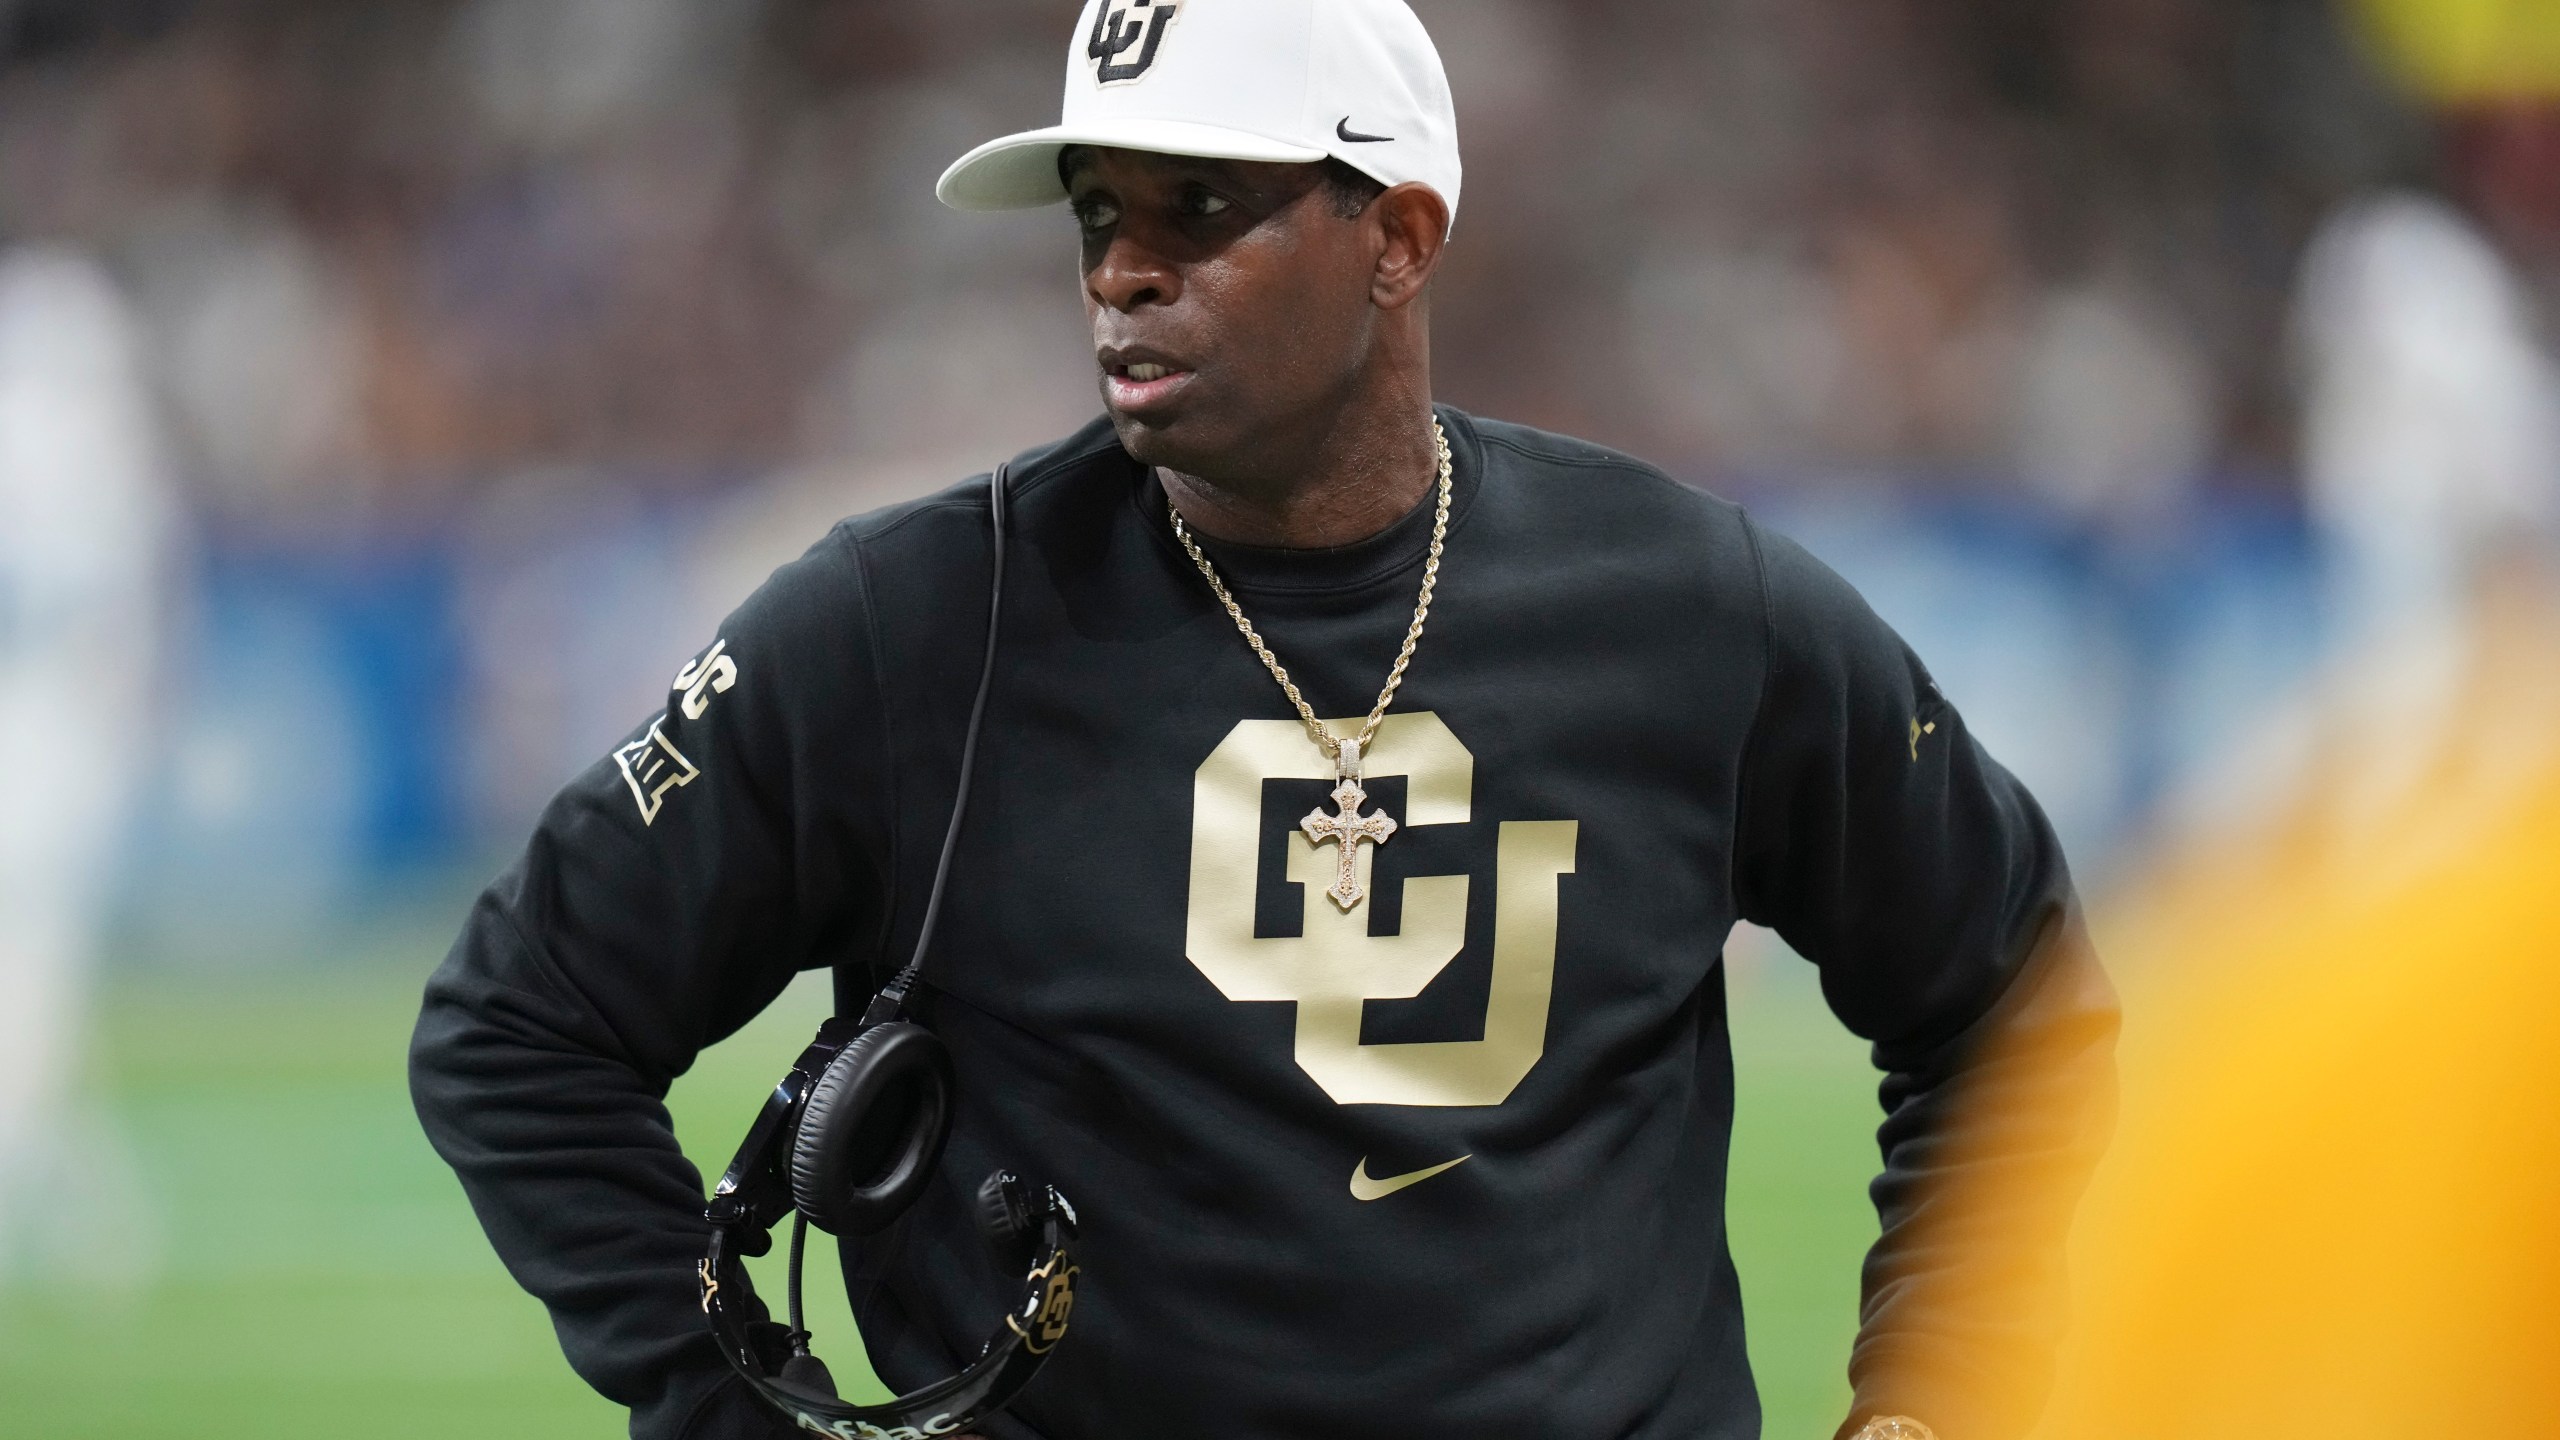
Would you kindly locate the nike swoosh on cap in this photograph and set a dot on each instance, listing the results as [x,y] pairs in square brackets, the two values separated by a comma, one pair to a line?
[1348,135]
[1364,1188]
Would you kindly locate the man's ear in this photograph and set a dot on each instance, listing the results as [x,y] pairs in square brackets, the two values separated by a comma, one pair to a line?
[1413,224]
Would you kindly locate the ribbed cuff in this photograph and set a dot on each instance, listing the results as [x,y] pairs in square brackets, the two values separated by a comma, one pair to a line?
[1948,1388]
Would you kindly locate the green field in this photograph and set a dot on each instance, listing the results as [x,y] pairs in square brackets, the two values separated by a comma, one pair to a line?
[313,1271]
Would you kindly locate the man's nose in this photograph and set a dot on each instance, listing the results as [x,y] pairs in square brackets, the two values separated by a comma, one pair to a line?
[1129,274]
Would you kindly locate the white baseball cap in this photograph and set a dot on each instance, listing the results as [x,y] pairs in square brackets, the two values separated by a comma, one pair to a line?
[1285,80]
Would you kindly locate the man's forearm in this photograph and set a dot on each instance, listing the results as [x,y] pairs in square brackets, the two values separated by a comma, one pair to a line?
[566,1152]
[1987,1142]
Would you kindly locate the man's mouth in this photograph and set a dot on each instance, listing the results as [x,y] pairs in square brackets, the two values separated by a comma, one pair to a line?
[1134,386]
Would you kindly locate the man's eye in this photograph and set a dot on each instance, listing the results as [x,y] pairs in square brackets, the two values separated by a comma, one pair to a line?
[1203,202]
[1092,215]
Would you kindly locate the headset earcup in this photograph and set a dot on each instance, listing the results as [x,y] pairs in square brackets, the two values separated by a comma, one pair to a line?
[872,1129]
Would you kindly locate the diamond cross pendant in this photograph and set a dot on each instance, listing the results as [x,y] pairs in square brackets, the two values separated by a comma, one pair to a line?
[1348,828]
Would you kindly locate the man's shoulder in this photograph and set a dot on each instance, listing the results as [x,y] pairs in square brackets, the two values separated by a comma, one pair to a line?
[1547,448]
[1592,471]
[1090,453]
[1568,487]
[910,548]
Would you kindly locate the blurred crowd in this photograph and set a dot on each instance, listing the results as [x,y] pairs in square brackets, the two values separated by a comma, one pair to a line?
[391,254]
[484,351]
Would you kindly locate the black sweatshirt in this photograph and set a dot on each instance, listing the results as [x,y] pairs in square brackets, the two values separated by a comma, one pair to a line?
[1635,719]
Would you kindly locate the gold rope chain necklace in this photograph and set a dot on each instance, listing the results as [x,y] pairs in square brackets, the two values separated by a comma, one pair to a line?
[1349,827]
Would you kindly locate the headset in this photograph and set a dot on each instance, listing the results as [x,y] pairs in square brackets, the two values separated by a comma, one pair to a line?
[847,1141]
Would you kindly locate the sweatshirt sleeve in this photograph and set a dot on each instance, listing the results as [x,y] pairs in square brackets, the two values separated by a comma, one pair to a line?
[1881,842]
[667,895]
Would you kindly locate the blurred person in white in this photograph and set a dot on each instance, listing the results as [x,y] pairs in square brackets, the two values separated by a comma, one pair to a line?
[84,528]
[2431,433]
[2431,449]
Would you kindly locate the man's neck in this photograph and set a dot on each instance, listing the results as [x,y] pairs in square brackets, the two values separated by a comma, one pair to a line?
[1353,485]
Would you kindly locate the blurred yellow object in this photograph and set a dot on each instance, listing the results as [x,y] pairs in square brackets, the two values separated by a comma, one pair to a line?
[2456,51]
[2333,1206]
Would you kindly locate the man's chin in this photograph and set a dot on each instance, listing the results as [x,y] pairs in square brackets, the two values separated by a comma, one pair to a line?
[1173,441]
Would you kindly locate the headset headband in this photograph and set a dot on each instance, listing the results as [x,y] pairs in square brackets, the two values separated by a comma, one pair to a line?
[754,1195]
[1013,1355]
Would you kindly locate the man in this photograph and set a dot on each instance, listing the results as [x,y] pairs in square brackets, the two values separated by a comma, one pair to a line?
[1377,1129]
[85,530]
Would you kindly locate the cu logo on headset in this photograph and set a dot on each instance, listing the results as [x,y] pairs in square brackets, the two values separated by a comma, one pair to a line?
[1118,29]
[1057,1302]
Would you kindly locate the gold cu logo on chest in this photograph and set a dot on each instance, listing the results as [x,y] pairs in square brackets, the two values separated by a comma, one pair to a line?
[1334,966]
[1119,28]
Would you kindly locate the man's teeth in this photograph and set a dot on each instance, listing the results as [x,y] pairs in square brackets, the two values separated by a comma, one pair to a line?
[1144,373]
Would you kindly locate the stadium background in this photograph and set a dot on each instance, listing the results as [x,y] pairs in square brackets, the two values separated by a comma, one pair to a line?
[488,350]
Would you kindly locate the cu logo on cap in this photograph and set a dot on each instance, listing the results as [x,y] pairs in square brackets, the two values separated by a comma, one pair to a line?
[1118,29]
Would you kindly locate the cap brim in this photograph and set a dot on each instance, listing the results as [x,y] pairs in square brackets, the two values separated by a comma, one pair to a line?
[1020,172]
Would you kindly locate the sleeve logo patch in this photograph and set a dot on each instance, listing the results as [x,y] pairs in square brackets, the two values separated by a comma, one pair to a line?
[652,766]
[697,682]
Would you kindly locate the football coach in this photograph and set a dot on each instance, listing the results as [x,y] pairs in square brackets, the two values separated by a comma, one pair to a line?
[1368,790]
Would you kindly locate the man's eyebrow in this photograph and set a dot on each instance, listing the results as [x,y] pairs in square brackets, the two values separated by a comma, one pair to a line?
[1077,162]
[1198,167]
